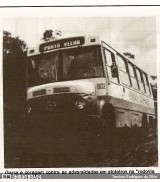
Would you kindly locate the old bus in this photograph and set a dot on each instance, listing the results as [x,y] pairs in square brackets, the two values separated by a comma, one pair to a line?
[83,77]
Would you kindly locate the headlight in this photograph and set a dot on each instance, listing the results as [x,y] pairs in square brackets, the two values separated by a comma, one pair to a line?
[29,109]
[80,104]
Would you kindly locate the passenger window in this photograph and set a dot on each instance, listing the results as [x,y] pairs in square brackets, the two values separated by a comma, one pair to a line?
[110,60]
[131,69]
[122,64]
[144,79]
[146,84]
[133,76]
[108,56]
[140,83]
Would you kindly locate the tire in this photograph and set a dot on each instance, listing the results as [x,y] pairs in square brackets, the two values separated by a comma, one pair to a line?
[109,128]
[145,126]
[108,119]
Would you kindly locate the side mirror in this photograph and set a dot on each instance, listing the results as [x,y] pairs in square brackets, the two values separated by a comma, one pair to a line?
[114,71]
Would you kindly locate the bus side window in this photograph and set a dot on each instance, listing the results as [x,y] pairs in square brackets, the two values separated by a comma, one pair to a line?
[122,64]
[140,83]
[110,61]
[146,84]
[133,76]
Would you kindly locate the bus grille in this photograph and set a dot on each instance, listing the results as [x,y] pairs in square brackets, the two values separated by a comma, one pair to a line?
[39,92]
[61,89]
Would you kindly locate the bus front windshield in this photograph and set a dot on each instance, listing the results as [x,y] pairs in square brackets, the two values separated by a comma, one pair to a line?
[64,65]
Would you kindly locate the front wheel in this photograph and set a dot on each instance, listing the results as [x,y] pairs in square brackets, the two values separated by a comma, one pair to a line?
[108,130]
[108,121]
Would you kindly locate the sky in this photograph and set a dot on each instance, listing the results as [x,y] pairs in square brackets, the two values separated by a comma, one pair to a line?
[136,35]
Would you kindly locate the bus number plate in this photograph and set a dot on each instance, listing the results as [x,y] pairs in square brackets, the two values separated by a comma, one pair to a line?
[101,86]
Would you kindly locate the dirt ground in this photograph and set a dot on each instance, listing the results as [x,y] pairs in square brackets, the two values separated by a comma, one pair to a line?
[129,149]
[143,153]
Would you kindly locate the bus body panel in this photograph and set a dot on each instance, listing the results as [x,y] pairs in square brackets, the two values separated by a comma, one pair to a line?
[124,95]
[128,113]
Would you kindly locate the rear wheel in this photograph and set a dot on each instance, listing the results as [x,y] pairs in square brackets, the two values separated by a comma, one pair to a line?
[145,125]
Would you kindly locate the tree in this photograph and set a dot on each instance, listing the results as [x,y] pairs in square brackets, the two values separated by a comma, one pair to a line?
[48,34]
[14,71]
[14,96]
[12,45]
[154,86]
[129,55]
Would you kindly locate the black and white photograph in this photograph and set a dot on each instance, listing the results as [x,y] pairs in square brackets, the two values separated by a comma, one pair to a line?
[79,91]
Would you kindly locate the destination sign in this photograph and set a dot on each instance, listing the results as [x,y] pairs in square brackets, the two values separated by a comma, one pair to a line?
[57,44]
